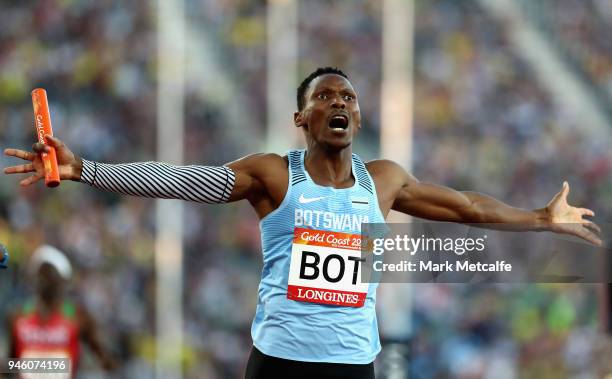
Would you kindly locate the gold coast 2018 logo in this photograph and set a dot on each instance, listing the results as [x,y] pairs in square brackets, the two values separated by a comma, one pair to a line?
[38,118]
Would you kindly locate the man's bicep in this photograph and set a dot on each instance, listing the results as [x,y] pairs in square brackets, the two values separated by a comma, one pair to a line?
[243,186]
[247,183]
[408,193]
[430,201]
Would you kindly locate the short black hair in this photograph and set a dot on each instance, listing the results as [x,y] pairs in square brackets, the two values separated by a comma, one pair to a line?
[301,91]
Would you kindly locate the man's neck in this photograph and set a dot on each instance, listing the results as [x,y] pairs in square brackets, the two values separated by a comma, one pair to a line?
[46,307]
[330,168]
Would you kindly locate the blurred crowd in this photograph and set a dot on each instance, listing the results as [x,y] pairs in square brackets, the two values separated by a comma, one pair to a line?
[579,30]
[482,122]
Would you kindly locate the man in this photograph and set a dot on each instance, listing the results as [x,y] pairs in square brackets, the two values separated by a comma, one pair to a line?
[323,189]
[51,326]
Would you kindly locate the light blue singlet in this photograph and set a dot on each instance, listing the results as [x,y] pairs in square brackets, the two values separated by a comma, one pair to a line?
[305,331]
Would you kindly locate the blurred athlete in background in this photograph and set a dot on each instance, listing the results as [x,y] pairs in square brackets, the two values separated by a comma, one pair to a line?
[309,324]
[50,325]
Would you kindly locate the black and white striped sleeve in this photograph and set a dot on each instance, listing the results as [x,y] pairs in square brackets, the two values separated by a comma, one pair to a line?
[203,184]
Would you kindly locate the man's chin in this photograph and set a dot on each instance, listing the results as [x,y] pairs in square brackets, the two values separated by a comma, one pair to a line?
[337,145]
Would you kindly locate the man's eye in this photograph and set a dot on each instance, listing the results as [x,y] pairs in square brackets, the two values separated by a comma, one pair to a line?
[322,96]
[348,97]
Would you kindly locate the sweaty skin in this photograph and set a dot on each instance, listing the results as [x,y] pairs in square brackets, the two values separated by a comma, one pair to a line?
[262,179]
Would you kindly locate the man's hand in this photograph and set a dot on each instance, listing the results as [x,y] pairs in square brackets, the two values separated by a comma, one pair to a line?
[439,203]
[563,218]
[69,165]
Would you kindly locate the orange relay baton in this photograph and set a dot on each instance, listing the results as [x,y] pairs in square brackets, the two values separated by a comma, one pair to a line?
[43,126]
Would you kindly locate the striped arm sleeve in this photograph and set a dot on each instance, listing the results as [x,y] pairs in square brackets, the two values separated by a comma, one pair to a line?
[202,184]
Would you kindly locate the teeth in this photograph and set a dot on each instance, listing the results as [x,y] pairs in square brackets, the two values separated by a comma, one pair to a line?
[338,123]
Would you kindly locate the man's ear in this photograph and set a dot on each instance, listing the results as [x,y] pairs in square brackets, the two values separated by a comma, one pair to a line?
[298,119]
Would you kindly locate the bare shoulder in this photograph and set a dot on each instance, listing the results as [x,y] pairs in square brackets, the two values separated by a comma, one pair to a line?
[382,164]
[260,177]
[385,168]
[390,174]
[258,161]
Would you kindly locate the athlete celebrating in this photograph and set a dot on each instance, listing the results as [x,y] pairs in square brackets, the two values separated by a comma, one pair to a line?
[310,325]
[50,325]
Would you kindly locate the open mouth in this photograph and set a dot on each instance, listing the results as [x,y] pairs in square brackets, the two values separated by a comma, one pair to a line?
[338,122]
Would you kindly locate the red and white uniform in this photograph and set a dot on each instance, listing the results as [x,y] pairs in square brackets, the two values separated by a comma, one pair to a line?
[55,336]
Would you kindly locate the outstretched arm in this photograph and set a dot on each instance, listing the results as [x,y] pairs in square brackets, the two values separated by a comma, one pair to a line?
[203,184]
[206,184]
[439,203]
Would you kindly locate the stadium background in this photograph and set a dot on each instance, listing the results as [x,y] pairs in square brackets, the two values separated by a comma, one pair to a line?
[483,120]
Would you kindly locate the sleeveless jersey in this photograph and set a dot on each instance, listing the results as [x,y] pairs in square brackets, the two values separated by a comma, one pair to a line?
[310,306]
[53,337]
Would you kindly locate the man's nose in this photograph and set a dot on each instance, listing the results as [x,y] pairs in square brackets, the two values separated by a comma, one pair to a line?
[338,103]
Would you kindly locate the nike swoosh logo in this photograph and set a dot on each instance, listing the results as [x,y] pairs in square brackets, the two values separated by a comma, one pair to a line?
[304,200]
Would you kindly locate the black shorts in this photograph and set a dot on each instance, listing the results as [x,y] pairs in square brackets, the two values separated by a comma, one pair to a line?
[262,366]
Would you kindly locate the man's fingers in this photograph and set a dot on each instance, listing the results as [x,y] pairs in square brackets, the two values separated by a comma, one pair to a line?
[596,241]
[40,148]
[565,190]
[44,147]
[591,226]
[562,194]
[21,169]
[589,236]
[53,141]
[20,154]
[31,180]
[586,212]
